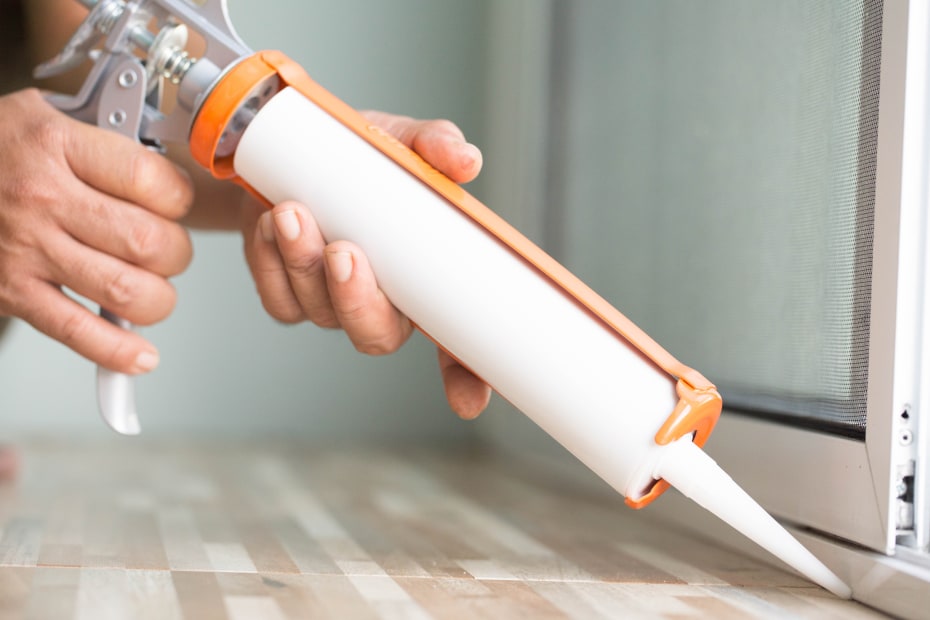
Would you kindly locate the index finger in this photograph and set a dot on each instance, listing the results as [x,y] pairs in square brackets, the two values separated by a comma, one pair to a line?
[439,142]
[120,167]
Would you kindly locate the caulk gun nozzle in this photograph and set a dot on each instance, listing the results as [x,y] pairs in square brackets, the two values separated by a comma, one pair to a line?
[689,469]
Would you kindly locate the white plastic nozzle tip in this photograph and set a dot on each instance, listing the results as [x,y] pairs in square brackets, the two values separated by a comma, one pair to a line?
[689,469]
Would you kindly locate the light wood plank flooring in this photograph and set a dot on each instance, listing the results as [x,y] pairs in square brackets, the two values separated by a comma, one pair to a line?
[128,529]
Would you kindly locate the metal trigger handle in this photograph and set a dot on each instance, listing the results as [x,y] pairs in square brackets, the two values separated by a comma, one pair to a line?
[136,45]
[126,88]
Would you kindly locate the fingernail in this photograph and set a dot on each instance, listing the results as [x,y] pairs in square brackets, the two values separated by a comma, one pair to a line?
[146,361]
[470,155]
[288,224]
[265,225]
[340,265]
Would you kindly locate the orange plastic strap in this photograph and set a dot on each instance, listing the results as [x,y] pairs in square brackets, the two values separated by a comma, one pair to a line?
[699,405]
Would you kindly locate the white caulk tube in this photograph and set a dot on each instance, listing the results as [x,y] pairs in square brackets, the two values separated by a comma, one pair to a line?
[585,386]
[603,397]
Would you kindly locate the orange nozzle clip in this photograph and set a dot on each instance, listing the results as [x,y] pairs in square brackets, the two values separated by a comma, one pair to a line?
[697,413]
[700,404]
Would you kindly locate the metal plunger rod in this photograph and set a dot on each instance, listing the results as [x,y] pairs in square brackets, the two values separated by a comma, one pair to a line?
[174,64]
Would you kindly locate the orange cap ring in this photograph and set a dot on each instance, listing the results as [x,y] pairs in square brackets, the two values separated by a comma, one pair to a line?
[218,110]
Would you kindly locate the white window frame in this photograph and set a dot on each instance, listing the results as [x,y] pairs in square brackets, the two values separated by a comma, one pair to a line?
[801,475]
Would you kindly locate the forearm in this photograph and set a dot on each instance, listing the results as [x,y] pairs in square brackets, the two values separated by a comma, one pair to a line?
[49,26]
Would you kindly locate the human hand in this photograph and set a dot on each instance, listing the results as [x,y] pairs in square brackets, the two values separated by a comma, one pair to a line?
[90,210]
[301,277]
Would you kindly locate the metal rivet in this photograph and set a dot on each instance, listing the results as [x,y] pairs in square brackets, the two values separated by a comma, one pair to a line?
[117,118]
[128,79]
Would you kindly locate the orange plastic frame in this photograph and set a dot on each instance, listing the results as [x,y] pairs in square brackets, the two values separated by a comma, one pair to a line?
[699,402]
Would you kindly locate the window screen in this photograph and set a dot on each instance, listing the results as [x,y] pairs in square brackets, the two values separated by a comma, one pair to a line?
[712,174]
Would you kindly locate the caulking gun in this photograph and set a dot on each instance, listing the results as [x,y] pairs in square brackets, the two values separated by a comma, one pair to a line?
[493,300]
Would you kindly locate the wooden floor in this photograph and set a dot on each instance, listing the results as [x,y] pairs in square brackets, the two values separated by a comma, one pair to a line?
[134,530]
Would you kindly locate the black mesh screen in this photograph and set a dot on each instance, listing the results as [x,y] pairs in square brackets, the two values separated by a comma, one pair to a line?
[713,175]
[850,303]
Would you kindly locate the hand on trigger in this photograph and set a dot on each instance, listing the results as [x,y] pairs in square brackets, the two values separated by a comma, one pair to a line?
[90,210]
[301,277]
